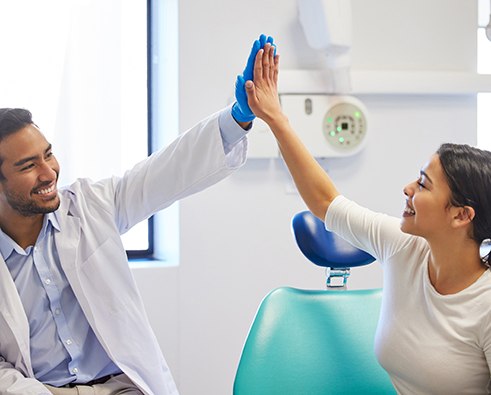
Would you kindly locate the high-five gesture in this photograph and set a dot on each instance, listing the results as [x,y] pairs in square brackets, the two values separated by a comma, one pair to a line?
[240,110]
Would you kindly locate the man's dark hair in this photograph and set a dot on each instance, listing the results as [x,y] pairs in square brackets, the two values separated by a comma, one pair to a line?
[11,121]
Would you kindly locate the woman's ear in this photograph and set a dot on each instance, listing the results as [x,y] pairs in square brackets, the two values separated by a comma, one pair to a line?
[463,215]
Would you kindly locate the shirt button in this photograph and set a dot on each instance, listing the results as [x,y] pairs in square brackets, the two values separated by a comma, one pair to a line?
[69,342]
[74,370]
[57,311]
[47,281]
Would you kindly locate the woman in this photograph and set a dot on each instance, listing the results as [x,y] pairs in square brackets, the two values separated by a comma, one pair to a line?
[434,332]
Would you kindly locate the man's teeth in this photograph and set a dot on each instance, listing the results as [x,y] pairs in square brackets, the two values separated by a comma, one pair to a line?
[409,210]
[45,191]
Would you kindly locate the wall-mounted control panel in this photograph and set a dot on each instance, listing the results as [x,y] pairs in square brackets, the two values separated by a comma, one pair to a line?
[329,125]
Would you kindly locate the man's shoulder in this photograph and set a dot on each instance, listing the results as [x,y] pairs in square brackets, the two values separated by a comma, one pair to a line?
[83,186]
[86,192]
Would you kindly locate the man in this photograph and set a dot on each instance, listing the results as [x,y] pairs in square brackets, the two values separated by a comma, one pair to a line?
[71,318]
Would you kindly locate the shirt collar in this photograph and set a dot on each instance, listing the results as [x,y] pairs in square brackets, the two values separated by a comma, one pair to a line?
[8,245]
[49,221]
[51,217]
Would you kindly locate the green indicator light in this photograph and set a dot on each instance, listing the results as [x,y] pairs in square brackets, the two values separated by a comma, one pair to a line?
[332,133]
[339,128]
[357,114]
[329,120]
[341,140]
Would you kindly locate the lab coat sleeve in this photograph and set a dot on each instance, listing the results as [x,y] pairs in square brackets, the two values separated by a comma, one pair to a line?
[191,163]
[12,382]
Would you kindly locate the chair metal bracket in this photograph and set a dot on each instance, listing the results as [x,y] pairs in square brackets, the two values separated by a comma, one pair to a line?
[337,278]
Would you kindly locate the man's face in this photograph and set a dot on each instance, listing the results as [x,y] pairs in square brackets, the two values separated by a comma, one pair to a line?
[30,173]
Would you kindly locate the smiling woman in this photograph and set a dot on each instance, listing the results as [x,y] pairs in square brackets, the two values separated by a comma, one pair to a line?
[435,315]
[81,68]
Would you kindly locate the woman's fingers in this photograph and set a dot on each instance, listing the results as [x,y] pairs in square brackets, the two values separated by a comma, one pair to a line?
[258,66]
[266,64]
[266,61]
[271,62]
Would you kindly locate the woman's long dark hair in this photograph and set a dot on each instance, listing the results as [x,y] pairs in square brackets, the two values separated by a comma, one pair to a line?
[468,172]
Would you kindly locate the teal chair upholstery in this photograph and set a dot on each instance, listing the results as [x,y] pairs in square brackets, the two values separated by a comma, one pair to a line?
[308,342]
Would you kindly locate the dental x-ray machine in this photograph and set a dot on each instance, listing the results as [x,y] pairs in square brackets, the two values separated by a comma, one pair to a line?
[333,124]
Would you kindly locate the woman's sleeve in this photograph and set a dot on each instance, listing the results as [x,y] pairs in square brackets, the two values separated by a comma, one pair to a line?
[376,233]
[486,336]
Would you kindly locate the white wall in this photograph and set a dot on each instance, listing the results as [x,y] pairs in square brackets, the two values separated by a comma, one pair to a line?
[236,243]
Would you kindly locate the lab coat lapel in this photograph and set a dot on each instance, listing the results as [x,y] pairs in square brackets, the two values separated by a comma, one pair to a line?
[13,316]
[67,242]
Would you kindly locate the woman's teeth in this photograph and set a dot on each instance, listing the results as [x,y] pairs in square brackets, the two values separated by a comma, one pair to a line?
[409,210]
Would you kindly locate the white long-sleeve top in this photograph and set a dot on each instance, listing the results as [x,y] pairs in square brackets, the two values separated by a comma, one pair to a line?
[429,343]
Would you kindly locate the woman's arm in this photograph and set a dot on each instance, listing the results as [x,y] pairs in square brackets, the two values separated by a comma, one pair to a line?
[314,185]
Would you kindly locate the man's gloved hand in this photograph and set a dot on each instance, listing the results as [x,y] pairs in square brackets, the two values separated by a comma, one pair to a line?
[240,110]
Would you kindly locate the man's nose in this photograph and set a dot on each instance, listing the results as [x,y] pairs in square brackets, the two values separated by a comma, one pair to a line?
[47,172]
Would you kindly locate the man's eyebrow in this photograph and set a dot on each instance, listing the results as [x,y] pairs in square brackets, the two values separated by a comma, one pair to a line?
[30,158]
[423,173]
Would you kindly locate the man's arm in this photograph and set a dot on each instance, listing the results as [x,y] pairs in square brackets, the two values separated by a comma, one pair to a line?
[197,159]
[12,382]
[245,125]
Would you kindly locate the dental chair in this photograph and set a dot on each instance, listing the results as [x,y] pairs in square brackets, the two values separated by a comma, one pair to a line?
[315,342]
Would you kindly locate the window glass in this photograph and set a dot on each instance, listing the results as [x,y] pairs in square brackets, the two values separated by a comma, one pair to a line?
[80,67]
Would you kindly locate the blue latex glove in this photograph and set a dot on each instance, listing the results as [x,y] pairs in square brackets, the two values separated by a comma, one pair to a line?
[241,110]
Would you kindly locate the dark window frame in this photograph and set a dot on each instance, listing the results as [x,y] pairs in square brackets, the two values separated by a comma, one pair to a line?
[149,252]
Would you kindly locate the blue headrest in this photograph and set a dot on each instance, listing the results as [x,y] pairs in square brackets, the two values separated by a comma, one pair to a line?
[325,248]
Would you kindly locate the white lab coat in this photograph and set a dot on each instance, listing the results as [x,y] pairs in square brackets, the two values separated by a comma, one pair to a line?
[92,216]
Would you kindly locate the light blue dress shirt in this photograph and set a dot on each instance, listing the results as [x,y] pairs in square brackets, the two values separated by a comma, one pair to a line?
[64,348]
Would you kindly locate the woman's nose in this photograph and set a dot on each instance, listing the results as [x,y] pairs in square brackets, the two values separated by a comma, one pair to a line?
[408,190]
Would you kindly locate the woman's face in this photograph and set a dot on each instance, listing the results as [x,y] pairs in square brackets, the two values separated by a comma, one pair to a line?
[427,212]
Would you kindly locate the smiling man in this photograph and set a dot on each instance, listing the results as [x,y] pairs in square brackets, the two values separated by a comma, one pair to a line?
[71,317]
[28,175]
[70,313]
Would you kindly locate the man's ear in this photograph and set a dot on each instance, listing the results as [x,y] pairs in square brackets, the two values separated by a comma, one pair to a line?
[463,215]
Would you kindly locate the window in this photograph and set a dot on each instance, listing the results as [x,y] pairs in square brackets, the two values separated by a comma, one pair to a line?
[483,67]
[82,67]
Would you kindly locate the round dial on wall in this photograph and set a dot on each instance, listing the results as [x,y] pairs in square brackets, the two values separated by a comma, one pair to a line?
[344,126]
[330,126]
